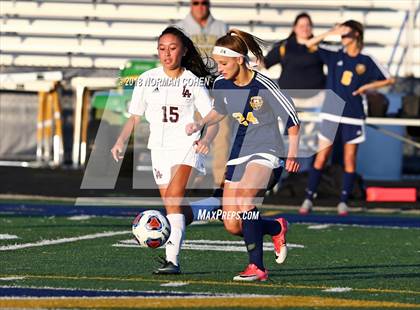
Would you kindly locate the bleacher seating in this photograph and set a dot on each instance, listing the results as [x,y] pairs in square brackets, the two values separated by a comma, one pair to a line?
[104,34]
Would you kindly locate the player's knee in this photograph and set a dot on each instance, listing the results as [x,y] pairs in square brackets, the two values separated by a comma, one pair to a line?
[320,161]
[173,196]
[244,199]
[233,227]
[173,209]
[350,162]
[174,192]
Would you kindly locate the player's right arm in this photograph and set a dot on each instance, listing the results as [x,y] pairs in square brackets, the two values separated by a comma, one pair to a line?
[128,128]
[336,30]
[136,108]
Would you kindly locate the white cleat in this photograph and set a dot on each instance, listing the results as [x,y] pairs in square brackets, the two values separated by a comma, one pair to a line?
[306,207]
[342,209]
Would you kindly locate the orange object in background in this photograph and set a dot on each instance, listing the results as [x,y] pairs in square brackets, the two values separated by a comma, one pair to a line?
[407,194]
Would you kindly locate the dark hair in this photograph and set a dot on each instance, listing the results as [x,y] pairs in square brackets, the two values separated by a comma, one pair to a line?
[297,18]
[192,59]
[357,27]
[242,42]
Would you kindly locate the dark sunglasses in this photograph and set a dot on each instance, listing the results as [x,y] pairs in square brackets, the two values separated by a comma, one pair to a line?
[350,35]
[206,3]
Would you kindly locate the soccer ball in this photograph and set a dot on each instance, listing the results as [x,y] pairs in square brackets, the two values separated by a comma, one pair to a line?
[151,229]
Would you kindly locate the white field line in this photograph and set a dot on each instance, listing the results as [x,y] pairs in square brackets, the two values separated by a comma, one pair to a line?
[11,278]
[207,247]
[321,226]
[210,245]
[338,290]
[174,284]
[63,240]
[80,217]
[8,237]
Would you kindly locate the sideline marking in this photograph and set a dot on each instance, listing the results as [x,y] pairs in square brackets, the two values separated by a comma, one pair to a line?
[216,283]
[196,302]
[63,240]
[12,291]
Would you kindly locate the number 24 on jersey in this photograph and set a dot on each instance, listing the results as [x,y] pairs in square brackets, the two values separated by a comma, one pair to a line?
[250,118]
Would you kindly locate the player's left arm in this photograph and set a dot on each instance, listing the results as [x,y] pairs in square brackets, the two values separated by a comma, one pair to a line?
[373,85]
[378,77]
[283,107]
[292,165]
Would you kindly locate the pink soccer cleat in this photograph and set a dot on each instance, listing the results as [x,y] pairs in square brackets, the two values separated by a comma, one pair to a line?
[280,247]
[252,273]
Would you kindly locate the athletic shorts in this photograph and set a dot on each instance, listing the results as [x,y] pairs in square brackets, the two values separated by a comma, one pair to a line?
[164,160]
[235,168]
[347,133]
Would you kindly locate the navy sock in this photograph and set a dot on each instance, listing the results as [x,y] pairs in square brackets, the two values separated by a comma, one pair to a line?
[271,227]
[252,229]
[348,181]
[218,192]
[313,182]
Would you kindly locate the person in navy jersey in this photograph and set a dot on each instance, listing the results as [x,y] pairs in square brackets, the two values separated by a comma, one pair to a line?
[351,73]
[253,103]
[302,68]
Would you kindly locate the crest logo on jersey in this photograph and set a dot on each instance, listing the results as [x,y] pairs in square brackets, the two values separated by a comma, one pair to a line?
[256,102]
[339,63]
[360,69]
[186,92]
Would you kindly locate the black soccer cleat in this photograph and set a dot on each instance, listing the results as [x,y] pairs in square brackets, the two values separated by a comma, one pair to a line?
[167,267]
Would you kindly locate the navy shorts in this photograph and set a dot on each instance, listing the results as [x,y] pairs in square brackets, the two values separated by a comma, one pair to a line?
[347,133]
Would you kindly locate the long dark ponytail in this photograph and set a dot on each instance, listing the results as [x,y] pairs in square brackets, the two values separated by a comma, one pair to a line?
[192,59]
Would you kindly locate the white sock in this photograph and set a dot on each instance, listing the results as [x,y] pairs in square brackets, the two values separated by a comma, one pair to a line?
[173,245]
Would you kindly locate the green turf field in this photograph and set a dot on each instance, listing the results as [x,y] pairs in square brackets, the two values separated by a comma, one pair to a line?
[359,264]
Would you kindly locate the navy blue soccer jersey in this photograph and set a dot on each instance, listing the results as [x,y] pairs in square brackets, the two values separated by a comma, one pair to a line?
[254,111]
[346,74]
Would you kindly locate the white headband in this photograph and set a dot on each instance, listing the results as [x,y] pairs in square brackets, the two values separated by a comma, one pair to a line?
[224,51]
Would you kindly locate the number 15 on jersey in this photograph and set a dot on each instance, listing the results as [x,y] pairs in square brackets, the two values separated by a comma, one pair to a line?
[173,116]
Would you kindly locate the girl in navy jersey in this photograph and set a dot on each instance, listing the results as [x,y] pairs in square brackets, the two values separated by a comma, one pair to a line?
[253,103]
[168,107]
[351,73]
